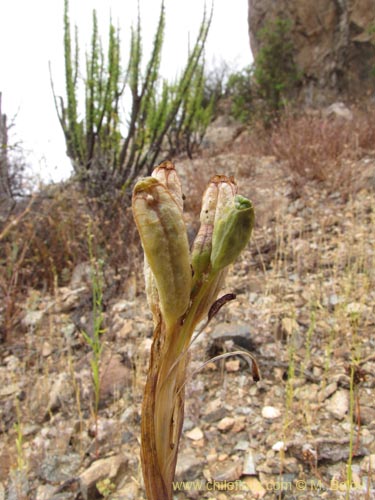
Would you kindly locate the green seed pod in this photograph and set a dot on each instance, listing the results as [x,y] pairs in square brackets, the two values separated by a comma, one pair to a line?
[232,232]
[163,234]
[218,195]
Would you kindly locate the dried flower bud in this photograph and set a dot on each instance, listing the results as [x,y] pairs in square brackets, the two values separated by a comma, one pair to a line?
[232,232]
[218,195]
[167,175]
[164,239]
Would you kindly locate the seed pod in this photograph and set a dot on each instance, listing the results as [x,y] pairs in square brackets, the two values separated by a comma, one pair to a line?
[167,175]
[218,195]
[232,232]
[164,239]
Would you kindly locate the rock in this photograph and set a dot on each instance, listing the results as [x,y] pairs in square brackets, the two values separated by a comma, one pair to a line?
[339,110]
[338,404]
[126,308]
[239,424]
[81,276]
[227,470]
[333,452]
[61,392]
[366,415]
[270,412]
[279,446]
[254,486]
[289,326]
[18,485]
[128,492]
[249,464]
[112,468]
[242,445]
[233,365]
[32,319]
[214,411]
[307,392]
[116,376]
[68,299]
[331,40]
[220,132]
[225,424]
[47,349]
[327,391]
[10,389]
[59,468]
[189,466]
[195,434]
[238,333]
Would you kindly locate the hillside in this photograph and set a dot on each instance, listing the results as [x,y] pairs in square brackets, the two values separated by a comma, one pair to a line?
[304,309]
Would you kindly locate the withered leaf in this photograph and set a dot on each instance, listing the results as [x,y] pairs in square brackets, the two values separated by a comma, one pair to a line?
[218,304]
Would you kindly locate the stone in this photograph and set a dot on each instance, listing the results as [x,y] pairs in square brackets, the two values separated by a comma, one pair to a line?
[195,434]
[61,392]
[233,365]
[59,468]
[242,445]
[32,319]
[128,492]
[116,376]
[225,424]
[10,389]
[338,404]
[249,464]
[253,485]
[279,446]
[270,412]
[227,470]
[327,391]
[366,415]
[238,333]
[68,299]
[112,468]
[189,466]
[214,411]
[339,110]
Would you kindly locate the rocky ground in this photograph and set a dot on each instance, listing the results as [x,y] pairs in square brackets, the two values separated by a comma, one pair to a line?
[304,310]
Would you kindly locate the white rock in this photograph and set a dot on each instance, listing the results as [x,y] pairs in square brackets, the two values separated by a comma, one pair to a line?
[32,318]
[195,434]
[270,412]
[249,464]
[279,446]
[339,110]
[338,404]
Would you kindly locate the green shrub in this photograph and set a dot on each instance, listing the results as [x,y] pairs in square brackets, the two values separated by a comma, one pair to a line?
[241,92]
[103,159]
[275,73]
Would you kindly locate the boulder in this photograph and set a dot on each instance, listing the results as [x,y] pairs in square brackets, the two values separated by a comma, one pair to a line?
[334,46]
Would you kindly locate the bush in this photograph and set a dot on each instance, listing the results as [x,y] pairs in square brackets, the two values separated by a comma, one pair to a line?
[240,90]
[275,73]
[103,159]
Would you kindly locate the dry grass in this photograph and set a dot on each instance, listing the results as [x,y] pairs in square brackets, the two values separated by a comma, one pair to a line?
[313,146]
[41,248]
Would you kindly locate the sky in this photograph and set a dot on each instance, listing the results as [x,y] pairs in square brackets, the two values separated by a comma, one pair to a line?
[31,35]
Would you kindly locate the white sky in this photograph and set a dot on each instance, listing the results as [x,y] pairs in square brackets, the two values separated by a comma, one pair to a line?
[31,34]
